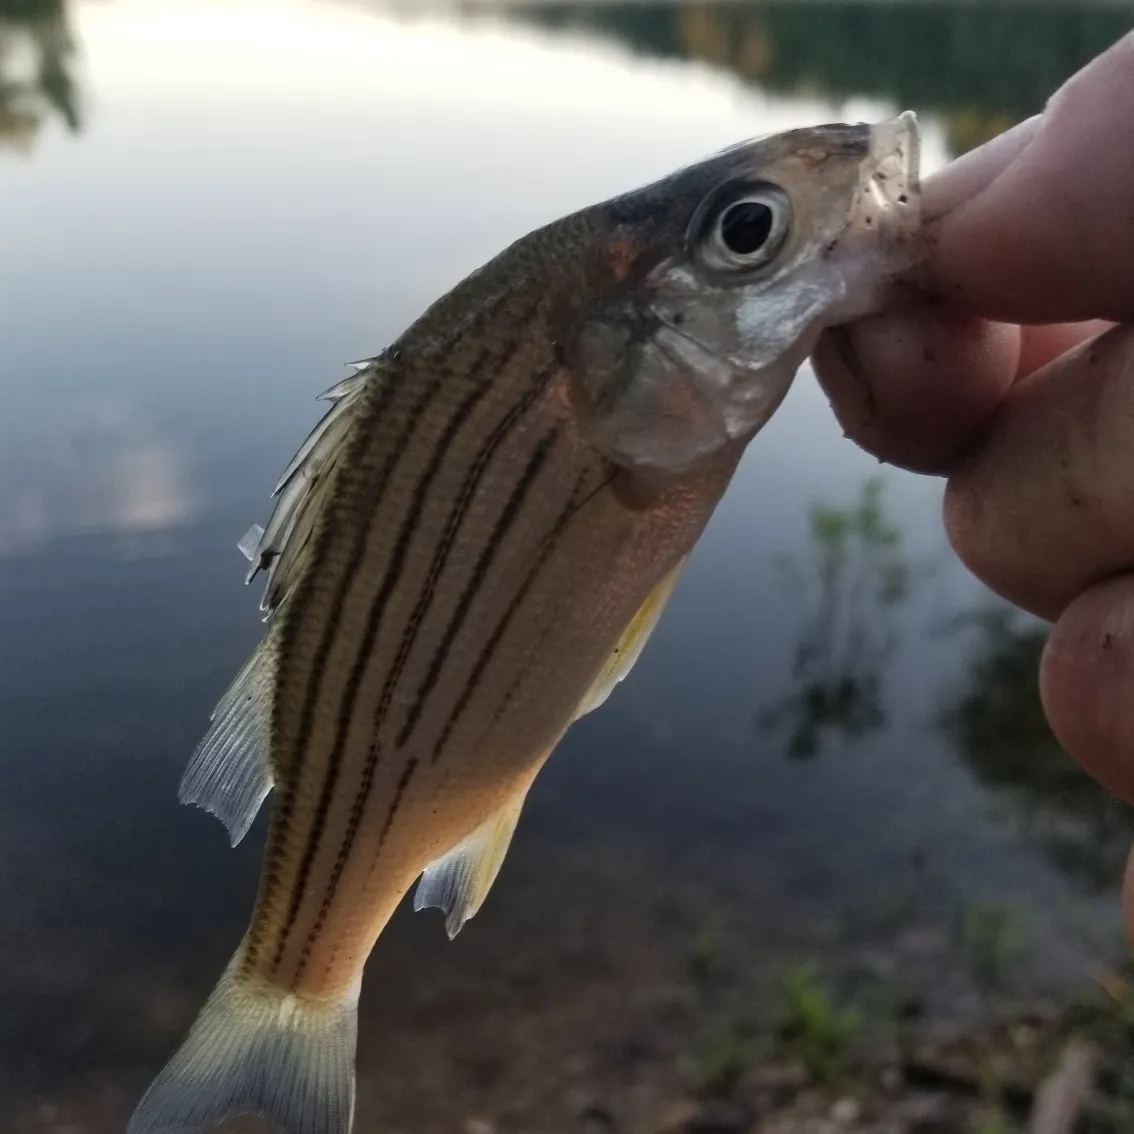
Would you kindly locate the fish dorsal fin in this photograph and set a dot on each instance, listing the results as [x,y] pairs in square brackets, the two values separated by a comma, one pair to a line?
[629,647]
[229,773]
[281,548]
[459,881]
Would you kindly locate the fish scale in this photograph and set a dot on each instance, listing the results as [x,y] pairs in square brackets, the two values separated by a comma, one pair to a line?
[470,551]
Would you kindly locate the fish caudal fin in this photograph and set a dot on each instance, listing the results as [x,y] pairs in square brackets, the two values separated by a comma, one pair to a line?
[255,1050]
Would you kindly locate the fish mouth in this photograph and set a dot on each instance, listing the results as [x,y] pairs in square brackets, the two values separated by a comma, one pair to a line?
[881,241]
[889,197]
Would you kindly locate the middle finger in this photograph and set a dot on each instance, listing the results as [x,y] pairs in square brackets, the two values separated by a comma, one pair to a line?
[1045,506]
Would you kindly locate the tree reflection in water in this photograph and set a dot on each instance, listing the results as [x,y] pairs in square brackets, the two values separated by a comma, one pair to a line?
[979,67]
[36,54]
[994,718]
[855,574]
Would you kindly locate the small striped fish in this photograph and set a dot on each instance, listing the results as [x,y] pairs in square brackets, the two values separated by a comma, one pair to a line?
[469,552]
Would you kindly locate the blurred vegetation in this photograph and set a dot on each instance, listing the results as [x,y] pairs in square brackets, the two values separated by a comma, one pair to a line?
[811,1027]
[855,573]
[981,67]
[991,942]
[36,55]
[721,1060]
[995,720]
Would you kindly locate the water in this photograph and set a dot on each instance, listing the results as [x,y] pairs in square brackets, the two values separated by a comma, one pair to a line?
[205,209]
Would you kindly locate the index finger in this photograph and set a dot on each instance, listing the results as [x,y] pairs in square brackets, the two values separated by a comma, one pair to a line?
[1038,226]
[914,388]
[1035,227]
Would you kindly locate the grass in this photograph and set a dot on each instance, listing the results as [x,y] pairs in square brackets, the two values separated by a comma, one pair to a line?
[716,1069]
[993,1121]
[811,1027]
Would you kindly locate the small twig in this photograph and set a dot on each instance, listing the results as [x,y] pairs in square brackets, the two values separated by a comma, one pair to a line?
[1064,1093]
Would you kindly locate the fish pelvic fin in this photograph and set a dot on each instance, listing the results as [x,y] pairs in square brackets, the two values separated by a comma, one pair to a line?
[258,1050]
[229,774]
[629,646]
[459,881]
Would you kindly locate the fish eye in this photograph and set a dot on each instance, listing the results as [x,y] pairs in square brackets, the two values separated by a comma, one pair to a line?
[746,226]
[746,229]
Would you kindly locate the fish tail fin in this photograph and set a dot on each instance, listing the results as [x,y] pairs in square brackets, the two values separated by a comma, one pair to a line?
[258,1050]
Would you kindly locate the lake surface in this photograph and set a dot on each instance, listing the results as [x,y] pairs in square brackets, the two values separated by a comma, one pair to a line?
[832,747]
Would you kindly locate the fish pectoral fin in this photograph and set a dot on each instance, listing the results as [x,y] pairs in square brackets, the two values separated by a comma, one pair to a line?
[229,773]
[629,647]
[258,1050]
[459,881]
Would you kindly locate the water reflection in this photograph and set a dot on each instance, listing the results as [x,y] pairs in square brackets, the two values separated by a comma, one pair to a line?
[995,719]
[97,465]
[980,67]
[36,54]
[855,574]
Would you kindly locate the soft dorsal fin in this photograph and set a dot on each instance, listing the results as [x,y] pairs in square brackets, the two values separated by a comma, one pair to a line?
[629,647]
[229,773]
[459,881]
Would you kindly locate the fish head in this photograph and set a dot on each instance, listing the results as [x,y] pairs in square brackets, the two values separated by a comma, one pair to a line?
[717,281]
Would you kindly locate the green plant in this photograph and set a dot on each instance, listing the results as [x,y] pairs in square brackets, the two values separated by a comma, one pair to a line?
[721,1062]
[992,1121]
[706,963]
[991,941]
[811,1026]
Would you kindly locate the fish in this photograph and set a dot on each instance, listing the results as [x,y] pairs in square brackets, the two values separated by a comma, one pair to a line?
[469,552]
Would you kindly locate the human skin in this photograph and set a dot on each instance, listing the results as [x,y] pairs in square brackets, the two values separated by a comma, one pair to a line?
[1009,369]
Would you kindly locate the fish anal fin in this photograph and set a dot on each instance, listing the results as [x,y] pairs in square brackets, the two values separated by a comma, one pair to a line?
[258,1050]
[229,773]
[629,646]
[459,881]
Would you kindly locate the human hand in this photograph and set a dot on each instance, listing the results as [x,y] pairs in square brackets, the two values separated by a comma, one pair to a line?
[1032,424]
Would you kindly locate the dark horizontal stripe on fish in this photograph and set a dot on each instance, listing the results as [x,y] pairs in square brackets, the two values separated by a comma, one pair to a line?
[358,550]
[354,679]
[563,520]
[286,803]
[505,521]
[483,563]
[358,553]
[453,522]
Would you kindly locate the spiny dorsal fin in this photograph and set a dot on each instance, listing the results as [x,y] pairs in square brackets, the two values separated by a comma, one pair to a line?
[459,881]
[228,773]
[281,548]
[629,647]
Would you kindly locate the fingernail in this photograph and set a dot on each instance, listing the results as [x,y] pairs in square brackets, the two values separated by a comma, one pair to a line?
[963,179]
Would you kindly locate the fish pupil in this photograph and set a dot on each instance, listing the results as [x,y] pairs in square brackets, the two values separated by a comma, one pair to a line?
[746,226]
